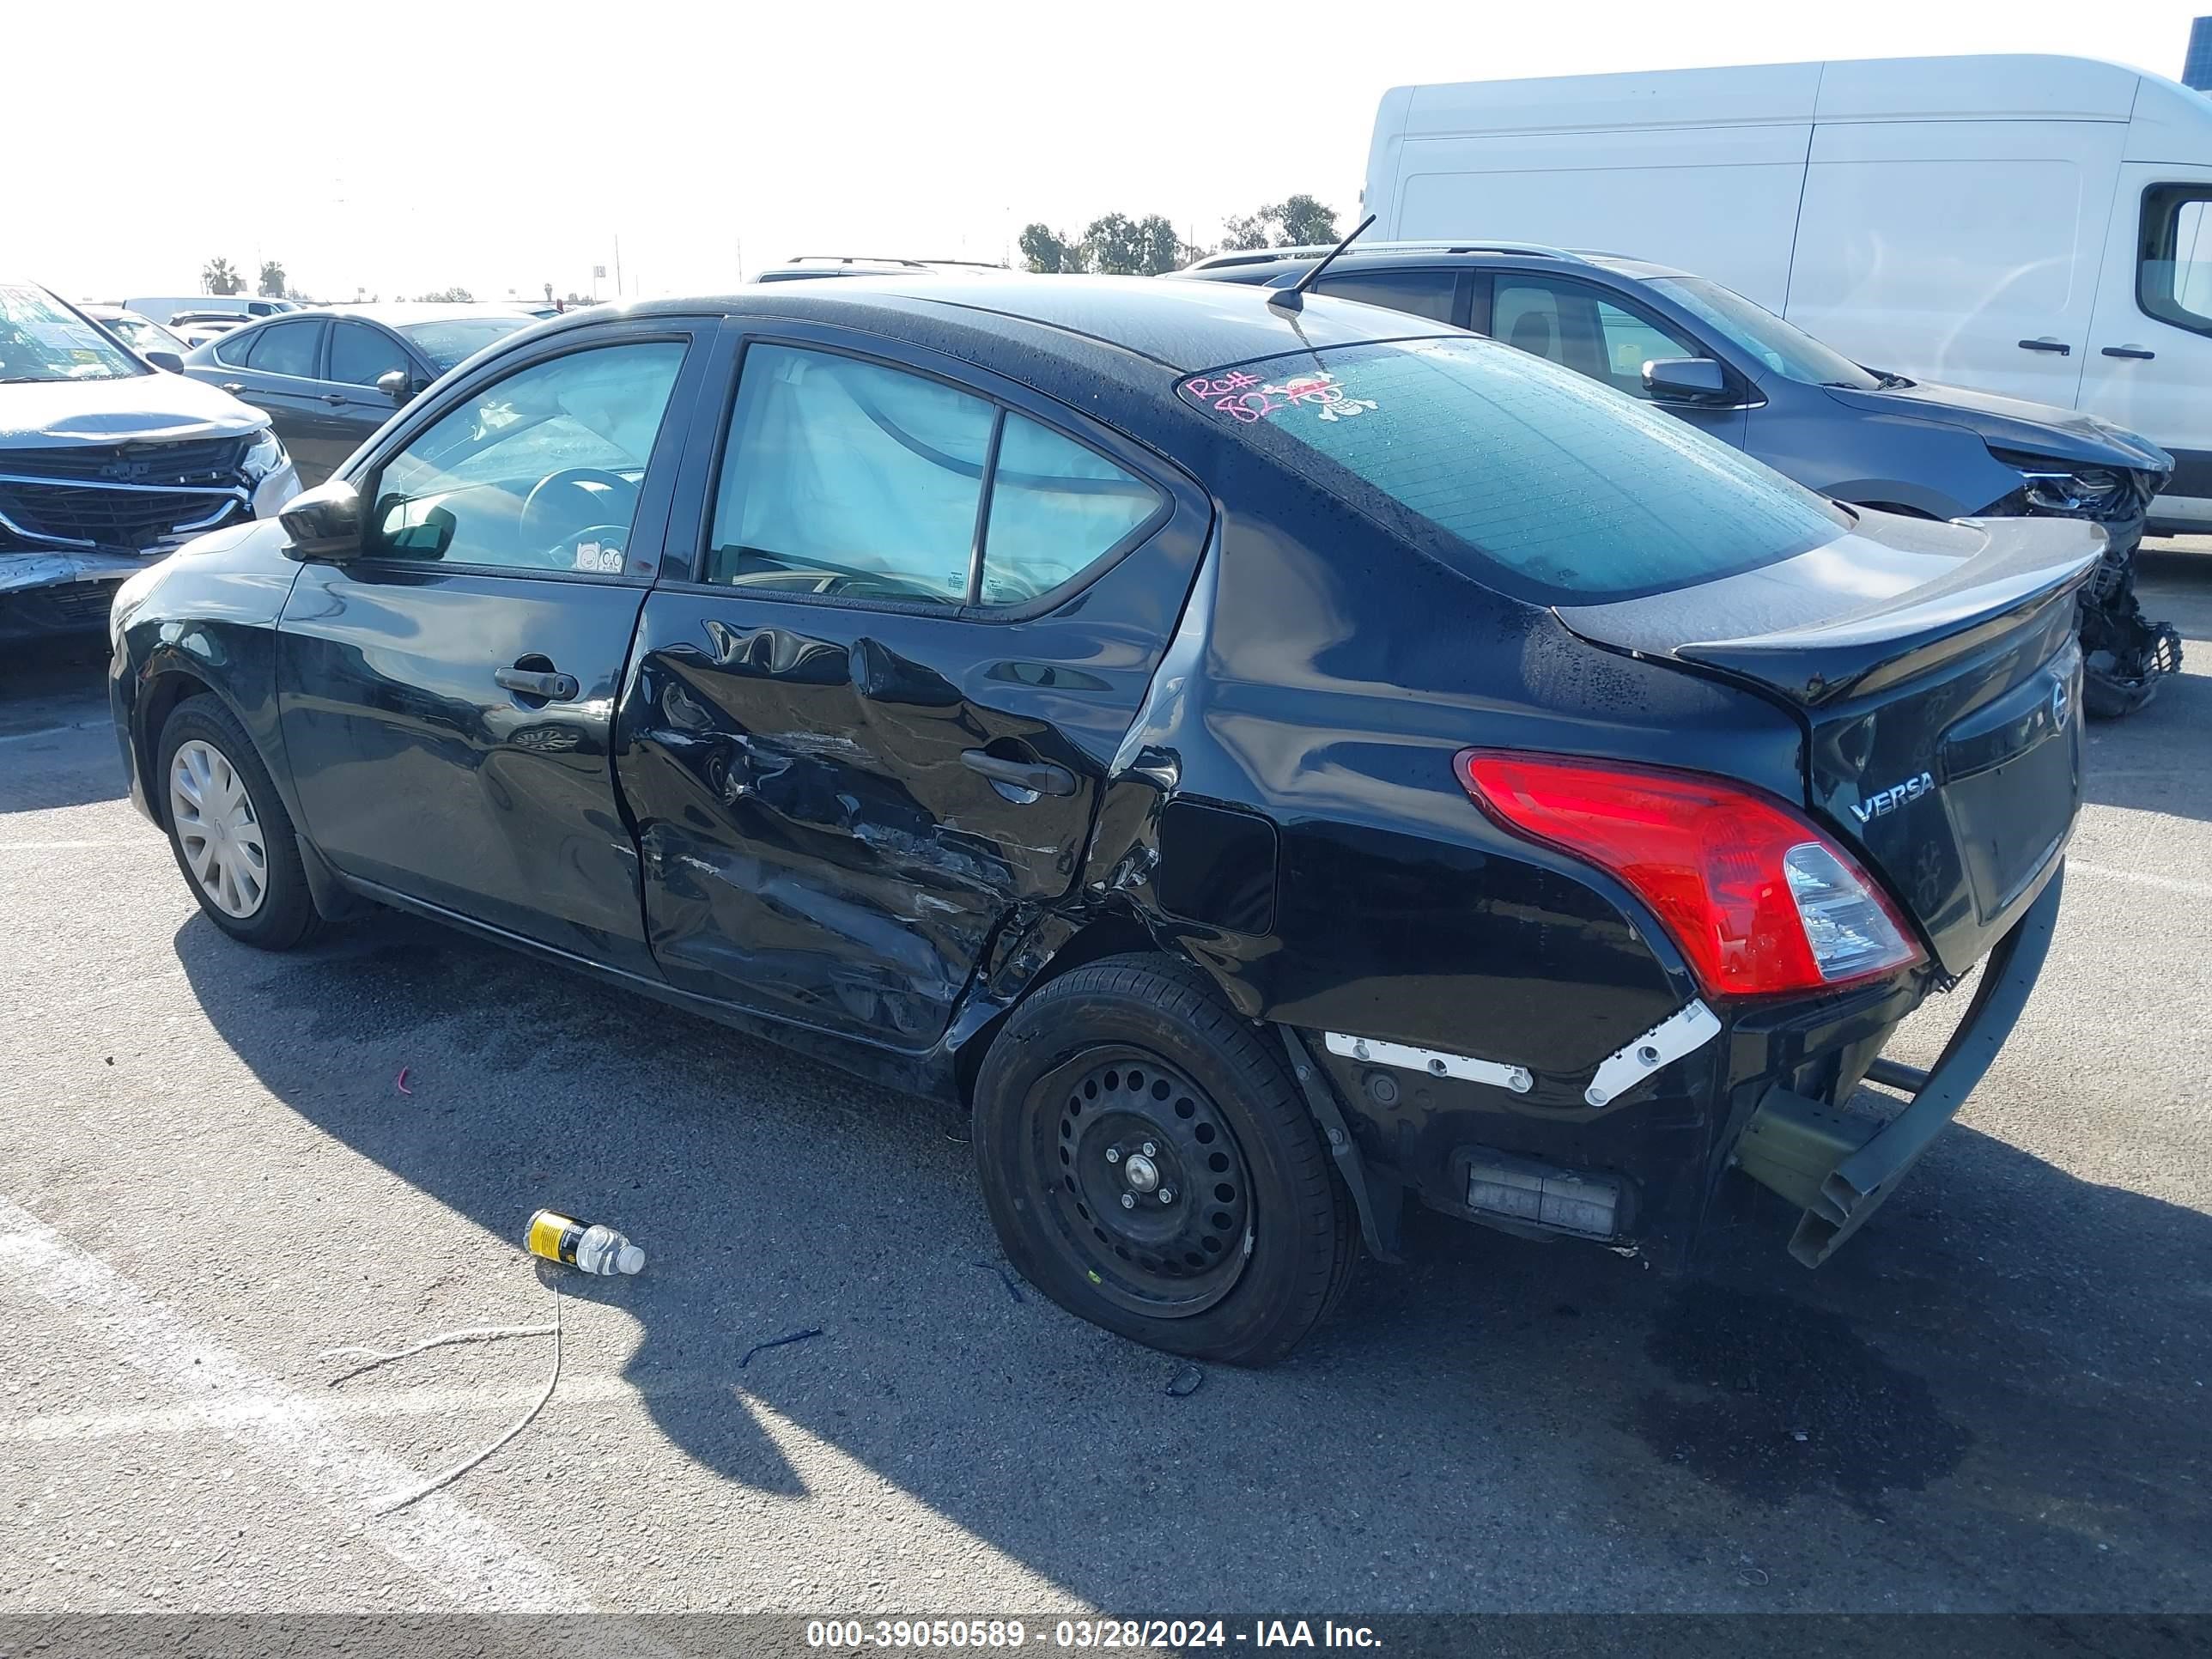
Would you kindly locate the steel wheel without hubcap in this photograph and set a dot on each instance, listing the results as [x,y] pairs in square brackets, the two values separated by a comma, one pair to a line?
[218,828]
[1143,1180]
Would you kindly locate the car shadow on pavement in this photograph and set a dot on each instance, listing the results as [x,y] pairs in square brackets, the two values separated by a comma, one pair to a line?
[1993,1399]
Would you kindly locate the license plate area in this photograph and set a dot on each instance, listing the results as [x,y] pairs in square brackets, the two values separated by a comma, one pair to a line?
[2012,781]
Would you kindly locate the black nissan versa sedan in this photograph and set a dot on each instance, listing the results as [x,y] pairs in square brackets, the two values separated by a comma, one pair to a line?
[1269,760]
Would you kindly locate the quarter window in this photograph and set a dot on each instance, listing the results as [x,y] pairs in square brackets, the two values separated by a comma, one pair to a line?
[360,354]
[285,349]
[2174,280]
[856,480]
[539,471]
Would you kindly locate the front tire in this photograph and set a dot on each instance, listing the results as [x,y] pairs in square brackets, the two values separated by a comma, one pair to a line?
[227,827]
[1150,1166]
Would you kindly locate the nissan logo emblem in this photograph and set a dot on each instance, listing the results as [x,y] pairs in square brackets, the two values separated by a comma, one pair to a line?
[2060,697]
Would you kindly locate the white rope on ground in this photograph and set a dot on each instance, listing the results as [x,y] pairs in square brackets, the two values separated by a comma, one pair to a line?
[474,1334]
[385,1355]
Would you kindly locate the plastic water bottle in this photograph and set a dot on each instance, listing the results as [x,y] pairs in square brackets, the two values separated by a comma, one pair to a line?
[592,1248]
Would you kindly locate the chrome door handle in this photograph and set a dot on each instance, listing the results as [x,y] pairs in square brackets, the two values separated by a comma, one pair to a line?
[1041,777]
[2129,351]
[534,683]
[2046,343]
[233,388]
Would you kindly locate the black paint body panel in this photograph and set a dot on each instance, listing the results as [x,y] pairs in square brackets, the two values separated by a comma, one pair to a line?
[758,808]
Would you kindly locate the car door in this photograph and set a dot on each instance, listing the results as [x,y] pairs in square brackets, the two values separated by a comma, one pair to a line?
[358,353]
[446,699]
[871,715]
[1607,336]
[2151,363]
[280,362]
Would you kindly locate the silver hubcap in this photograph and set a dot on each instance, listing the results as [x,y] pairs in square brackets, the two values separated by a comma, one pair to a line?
[218,828]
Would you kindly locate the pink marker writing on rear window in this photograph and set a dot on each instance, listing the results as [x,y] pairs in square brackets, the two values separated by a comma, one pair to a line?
[1245,397]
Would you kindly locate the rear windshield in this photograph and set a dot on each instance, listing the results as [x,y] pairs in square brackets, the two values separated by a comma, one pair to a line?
[1526,476]
[456,339]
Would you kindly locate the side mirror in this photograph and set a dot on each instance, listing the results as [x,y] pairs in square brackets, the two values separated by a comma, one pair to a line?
[324,523]
[167,362]
[397,385]
[1686,379]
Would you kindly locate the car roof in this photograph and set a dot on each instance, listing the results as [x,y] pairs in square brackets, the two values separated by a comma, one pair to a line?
[1181,326]
[1264,264]
[396,313]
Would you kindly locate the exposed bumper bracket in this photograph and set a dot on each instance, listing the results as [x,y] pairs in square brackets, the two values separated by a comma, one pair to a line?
[1841,1167]
[1379,1213]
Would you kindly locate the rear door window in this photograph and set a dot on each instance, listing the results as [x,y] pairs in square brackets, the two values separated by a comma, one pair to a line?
[1056,509]
[849,479]
[1531,478]
[287,349]
[1428,294]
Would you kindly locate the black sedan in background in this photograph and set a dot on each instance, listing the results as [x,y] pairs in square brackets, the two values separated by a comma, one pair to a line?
[1270,763]
[328,378]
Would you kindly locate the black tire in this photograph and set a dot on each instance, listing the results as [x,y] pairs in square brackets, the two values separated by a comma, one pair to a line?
[1147,1046]
[284,914]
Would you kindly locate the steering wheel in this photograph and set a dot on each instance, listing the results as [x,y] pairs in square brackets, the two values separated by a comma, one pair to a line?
[588,487]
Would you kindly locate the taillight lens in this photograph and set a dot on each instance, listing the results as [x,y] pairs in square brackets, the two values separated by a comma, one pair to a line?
[1758,899]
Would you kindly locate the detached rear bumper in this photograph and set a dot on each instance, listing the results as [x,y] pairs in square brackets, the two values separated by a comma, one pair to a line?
[1842,1169]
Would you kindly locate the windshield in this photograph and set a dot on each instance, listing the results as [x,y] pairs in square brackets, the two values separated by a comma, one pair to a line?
[140,335]
[42,339]
[458,339]
[1526,476]
[1787,349]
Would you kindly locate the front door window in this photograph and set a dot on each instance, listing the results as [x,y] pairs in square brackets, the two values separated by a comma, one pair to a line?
[539,471]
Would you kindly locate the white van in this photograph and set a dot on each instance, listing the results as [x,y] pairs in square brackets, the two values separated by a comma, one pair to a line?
[2031,226]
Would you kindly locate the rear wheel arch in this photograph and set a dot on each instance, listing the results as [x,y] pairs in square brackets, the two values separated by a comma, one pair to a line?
[1103,936]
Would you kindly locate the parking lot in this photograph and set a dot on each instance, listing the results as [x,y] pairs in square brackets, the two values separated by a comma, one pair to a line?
[216,1165]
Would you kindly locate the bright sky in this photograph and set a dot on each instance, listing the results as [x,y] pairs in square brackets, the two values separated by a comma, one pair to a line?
[398,147]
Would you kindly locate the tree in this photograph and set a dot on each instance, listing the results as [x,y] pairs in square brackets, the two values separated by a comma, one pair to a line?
[446,296]
[1044,251]
[1162,250]
[221,276]
[1242,236]
[1303,220]
[1115,245]
[272,279]
[1295,221]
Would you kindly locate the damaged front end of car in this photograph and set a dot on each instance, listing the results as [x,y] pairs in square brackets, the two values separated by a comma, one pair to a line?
[2125,655]
[78,519]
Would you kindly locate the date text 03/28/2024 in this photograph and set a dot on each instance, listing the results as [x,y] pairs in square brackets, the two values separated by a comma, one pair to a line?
[855,1634]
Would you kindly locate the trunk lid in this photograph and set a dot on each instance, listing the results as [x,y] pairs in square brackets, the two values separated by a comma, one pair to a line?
[1934,670]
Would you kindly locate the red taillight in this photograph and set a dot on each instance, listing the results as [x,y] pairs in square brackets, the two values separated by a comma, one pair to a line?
[1757,898]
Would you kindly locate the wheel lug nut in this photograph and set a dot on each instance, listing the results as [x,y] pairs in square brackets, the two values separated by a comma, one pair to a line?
[1128,1201]
[1167,1194]
[1150,1150]
[1113,1154]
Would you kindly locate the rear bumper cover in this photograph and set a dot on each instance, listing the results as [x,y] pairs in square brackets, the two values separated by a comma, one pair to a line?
[1791,1139]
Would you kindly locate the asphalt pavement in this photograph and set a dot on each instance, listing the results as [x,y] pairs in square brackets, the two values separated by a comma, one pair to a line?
[212,1171]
